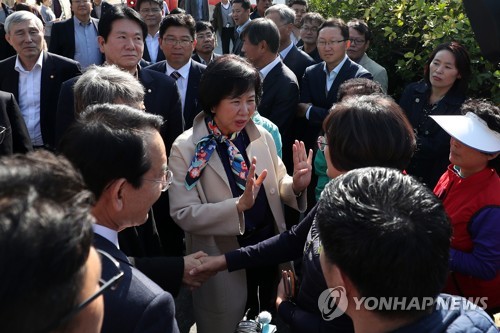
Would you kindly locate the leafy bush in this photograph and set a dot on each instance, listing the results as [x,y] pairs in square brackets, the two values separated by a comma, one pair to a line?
[405,33]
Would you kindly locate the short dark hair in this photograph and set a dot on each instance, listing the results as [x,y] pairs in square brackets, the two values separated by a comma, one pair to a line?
[359,86]
[361,27]
[227,76]
[177,10]
[298,2]
[367,131]
[490,113]
[262,29]
[45,240]
[108,142]
[387,233]
[462,62]
[139,3]
[245,4]
[178,20]
[336,23]
[312,17]
[119,12]
[204,25]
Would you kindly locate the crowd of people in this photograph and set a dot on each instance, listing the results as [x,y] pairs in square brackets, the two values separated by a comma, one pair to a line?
[136,161]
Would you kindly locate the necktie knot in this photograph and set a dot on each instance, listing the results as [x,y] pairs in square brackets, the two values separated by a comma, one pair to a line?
[175,75]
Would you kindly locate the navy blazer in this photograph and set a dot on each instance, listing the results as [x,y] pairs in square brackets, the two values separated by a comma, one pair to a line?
[161,98]
[104,8]
[160,56]
[297,60]
[62,38]
[55,70]
[138,305]
[280,95]
[191,105]
[16,137]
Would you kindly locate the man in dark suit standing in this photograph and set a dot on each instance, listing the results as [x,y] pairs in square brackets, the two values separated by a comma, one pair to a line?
[280,88]
[241,17]
[152,13]
[295,59]
[177,41]
[76,37]
[205,43]
[99,8]
[14,137]
[34,76]
[321,82]
[122,158]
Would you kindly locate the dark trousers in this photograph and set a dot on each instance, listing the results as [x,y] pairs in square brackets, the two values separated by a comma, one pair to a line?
[227,35]
[266,278]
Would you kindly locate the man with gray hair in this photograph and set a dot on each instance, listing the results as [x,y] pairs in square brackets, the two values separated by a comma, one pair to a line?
[34,76]
[295,59]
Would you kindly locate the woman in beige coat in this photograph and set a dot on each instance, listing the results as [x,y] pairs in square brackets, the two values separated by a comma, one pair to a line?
[229,188]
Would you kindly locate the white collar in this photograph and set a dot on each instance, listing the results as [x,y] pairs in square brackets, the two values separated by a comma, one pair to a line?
[285,51]
[109,234]
[337,68]
[183,71]
[20,68]
[266,69]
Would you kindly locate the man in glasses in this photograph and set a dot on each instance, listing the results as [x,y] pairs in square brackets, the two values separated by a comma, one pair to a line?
[50,270]
[360,37]
[122,157]
[206,39]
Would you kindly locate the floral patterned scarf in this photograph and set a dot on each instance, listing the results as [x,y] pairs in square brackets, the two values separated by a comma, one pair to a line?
[204,150]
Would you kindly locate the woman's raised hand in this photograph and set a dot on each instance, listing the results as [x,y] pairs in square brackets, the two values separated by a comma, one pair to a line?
[247,199]
[302,167]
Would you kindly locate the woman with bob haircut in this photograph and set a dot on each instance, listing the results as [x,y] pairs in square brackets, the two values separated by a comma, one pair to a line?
[447,74]
[470,191]
[229,188]
[360,131]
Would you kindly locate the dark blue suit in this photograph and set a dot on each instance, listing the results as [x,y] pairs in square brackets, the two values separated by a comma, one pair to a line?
[297,60]
[16,139]
[138,305]
[55,70]
[159,55]
[191,105]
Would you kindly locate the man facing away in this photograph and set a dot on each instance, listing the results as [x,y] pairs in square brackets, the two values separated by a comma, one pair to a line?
[385,254]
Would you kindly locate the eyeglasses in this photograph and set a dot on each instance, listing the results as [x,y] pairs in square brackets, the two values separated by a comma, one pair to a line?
[323,43]
[309,29]
[181,42]
[207,35]
[3,130]
[357,41]
[104,285]
[150,10]
[322,143]
[165,182]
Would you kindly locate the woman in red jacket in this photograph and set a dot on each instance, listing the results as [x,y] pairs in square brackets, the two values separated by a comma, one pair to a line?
[470,190]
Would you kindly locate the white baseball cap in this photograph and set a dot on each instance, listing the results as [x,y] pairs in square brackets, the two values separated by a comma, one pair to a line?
[471,131]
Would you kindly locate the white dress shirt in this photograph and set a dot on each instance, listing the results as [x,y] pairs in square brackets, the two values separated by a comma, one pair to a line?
[182,83]
[107,233]
[29,98]
[152,43]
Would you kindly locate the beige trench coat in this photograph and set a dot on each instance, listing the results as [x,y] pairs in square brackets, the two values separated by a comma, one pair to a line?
[209,217]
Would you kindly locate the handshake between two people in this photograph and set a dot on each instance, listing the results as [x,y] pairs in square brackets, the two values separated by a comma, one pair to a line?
[199,267]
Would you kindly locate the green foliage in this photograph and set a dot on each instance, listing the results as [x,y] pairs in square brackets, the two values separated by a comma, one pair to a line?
[405,33]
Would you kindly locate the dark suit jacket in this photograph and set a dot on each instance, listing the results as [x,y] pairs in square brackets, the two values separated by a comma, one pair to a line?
[62,38]
[161,98]
[16,137]
[297,60]
[280,95]
[104,8]
[159,56]
[138,304]
[55,70]
[189,6]
[238,44]
[191,105]
[197,58]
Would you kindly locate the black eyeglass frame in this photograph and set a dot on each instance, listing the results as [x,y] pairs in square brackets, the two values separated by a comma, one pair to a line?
[110,284]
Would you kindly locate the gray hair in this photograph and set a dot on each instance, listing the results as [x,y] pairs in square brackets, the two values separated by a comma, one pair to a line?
[106,84]
[21,16]
[287,15]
